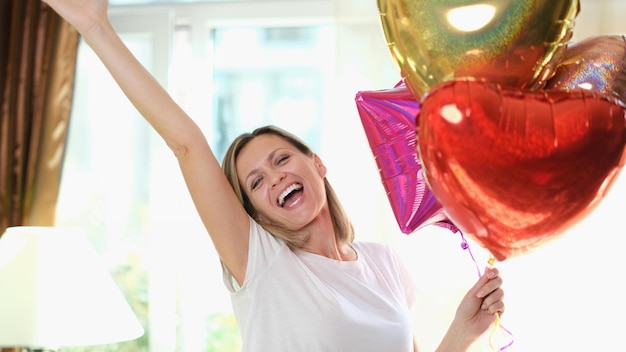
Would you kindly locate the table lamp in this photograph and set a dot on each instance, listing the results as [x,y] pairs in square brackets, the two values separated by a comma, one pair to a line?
[55,292]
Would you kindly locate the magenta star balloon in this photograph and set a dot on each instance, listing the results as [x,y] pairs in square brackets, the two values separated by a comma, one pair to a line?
[389,118]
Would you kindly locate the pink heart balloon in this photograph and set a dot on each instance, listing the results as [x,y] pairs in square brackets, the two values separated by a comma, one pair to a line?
[514,168]
[389,120]
[597,63]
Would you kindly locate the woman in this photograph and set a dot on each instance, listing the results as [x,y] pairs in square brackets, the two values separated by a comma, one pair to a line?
[298,280]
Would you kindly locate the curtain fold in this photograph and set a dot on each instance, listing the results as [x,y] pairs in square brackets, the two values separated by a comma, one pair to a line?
[37,66]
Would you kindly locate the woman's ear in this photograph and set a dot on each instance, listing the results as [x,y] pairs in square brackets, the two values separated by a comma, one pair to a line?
[321,168]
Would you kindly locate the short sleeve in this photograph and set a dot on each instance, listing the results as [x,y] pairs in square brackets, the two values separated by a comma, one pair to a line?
[262,249]
[407,279]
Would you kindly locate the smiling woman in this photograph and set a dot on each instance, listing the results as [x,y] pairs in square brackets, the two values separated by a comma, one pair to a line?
[125,199]
[266,157]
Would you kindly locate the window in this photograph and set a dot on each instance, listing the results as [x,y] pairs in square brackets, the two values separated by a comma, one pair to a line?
[282,84]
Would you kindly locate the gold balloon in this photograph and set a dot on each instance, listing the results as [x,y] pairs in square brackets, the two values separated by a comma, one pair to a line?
[515,43]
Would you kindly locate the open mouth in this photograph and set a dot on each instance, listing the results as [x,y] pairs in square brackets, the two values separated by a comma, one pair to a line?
[290,194]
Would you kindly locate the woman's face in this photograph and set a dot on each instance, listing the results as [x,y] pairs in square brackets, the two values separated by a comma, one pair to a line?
[283,184]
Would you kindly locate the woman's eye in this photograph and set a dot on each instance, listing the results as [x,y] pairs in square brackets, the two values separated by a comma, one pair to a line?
[255,183]
[281,159]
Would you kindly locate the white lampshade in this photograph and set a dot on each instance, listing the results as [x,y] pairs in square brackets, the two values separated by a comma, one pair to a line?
[55,292]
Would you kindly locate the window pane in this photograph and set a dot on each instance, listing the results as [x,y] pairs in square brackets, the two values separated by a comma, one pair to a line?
[269,76]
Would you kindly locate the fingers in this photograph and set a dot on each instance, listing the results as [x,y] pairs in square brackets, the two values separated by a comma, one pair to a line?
[493,302]
[490,292]
[492,272]
[489,275]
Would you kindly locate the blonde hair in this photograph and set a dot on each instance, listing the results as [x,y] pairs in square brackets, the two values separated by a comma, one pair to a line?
[341,222]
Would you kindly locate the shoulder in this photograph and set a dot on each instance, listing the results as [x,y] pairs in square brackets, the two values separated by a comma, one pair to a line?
[384,259]
[375,250]
[263,240]
[370,245]
[379,254]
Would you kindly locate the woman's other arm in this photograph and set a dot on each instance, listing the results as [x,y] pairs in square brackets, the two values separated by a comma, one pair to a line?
[476,312]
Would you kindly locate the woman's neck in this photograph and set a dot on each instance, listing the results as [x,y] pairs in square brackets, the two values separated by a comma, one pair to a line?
[325,244]
[322,239]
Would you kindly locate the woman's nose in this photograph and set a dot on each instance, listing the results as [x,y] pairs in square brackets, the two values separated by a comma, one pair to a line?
[277,178]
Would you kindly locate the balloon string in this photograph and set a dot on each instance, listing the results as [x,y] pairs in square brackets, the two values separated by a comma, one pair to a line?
[505,332]
[466,247]
[497,324]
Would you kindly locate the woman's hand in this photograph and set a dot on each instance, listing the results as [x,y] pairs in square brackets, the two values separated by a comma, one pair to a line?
[478,309]
[476,312]
[82,14]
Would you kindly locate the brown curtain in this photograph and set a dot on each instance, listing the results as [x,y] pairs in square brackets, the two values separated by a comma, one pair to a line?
[37,66]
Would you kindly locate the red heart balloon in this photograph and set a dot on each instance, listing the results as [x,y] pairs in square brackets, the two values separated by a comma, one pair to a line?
[515,168]
[389,119]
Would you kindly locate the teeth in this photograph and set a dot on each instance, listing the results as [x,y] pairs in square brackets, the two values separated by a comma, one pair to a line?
[281,198]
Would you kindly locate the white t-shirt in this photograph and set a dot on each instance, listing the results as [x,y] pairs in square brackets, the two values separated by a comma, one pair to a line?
[299,301]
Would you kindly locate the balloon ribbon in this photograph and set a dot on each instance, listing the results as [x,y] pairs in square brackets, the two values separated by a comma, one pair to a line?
[497,324]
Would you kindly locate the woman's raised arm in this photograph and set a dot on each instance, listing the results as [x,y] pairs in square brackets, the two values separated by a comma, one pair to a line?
[220,211]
